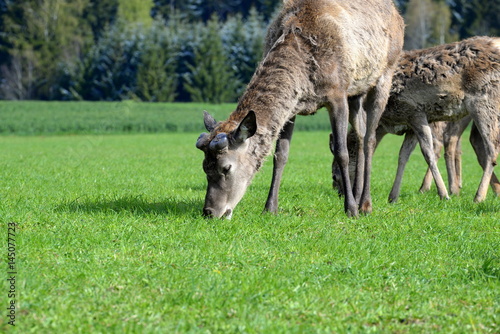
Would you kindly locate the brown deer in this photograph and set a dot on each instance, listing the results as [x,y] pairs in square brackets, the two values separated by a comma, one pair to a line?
[318,54]
[445,83]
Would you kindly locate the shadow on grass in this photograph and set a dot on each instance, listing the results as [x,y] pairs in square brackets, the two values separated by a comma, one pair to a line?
[136,205]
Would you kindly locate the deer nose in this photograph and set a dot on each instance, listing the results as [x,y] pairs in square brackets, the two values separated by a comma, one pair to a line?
[207,212]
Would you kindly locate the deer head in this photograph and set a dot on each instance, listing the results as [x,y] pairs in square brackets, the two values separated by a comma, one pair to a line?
[228,164]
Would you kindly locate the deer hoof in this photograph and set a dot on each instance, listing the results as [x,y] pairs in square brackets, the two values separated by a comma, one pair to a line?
[352,213]
[479,198]
[366,207]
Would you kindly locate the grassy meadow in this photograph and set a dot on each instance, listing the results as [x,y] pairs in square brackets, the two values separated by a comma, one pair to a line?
[110,237]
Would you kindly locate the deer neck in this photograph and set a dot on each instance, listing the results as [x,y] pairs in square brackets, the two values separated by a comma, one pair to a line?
[279,89]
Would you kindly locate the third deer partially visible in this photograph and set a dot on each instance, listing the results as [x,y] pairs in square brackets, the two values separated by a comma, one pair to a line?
[447,83]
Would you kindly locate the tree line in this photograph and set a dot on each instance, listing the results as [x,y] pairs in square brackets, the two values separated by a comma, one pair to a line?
[172,50]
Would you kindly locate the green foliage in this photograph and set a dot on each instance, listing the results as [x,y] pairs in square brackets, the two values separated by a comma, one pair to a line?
[99,14]
[198,10]
[112,227]
[427,24]
[41,34]
[211,78]
[135,11]
[482,18]
[243,41]
[156,74]
[110,68]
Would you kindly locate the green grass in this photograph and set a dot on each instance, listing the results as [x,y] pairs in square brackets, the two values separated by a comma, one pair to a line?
[56,118]
[111,240]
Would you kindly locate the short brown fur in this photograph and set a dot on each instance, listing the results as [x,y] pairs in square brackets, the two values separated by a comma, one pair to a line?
[318,53]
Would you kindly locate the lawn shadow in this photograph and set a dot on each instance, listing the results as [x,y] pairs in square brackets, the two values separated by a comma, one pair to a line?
[136,205]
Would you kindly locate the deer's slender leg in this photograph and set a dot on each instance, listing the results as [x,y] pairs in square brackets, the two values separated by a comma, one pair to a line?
[453,152]
[458,163]
[279,161]
[484,112]
[356,118]
[409,144]
[478,145]
[437,129]
[376,101]
[423,131]
[339,117]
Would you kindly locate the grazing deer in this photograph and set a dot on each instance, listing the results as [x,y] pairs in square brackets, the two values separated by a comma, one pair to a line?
[446,83]
[318,53]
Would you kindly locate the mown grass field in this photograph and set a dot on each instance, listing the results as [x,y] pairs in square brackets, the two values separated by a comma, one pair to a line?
[110,239]
[56,118]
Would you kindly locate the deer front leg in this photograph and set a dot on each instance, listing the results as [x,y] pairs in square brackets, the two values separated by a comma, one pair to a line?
[423,131]
[279,161]
[409,144]
[339,116]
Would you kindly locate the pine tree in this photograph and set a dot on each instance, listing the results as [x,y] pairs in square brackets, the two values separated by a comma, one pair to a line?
[243,41]
[156,74]
[135,11]
[211,79]
[110,68]
[99,14]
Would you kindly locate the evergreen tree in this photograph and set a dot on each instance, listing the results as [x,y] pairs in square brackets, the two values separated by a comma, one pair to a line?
[243,42]
[110,68]
[482,18]
[99,14]
[211,78]
[135,11]
[156,76]
[41,35]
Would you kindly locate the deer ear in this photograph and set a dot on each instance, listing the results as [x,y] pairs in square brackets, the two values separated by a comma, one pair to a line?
[247,127]
[209,121]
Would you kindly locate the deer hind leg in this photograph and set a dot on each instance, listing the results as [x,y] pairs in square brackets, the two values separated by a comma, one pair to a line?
[375,103]
[279,161]
[479,149]
[339,116]
[437,144]
[409,144]
[424,135]
[453,152]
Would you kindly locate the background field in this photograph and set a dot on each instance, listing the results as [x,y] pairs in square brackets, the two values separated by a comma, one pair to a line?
[111,240]
[56,118]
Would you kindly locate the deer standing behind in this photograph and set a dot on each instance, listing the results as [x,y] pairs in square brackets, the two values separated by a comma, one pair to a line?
[446,83]
[319,53]
[444,134]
